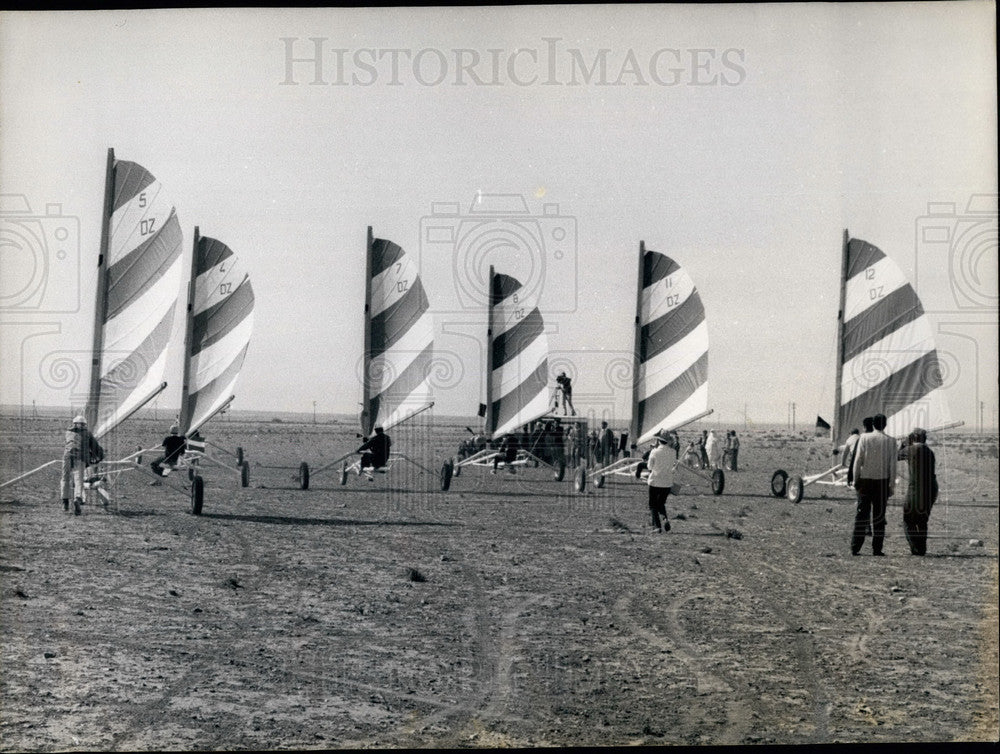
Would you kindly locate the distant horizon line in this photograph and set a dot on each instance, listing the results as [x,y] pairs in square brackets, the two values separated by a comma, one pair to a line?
[310,417]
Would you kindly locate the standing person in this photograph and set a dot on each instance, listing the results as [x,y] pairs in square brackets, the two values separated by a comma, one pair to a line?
[703,448]
[727,450]
[173,446]
[80,450]
[660,480]
[606,444]
[566,388]
[374,452]
[713,450]
[734,452]
[592,442]
[571,446]
[921,491]
[847,459]
[874,479]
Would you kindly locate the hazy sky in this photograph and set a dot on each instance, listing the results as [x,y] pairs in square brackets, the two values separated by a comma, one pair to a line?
[739,140]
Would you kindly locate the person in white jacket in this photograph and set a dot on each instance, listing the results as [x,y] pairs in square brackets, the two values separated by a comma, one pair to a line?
[660,463]
[713,448]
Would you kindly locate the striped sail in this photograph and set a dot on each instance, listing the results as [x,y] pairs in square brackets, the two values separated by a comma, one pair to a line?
[671,385]
[889,360]
[142,272]
[400,339]
[519,357]
[222,304]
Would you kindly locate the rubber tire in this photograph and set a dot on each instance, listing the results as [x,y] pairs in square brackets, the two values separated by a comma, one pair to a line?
[580,480]
[600,482]
[197,495]
[781,477]
[447,470]
[718,481]
[560,472]
[343,475]
[239,456]
[245,474]
[456,469]
[303,476]
[795,489]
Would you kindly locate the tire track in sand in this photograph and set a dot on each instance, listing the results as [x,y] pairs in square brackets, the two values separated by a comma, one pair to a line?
[665,632]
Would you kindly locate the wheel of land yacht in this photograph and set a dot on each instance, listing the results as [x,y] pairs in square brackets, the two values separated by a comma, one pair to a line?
[244,473]
[197,494]
[718,481]
[303,476]
[779,482]
[343,475]
[600,482]
[239,455]
[456,469]
[795,489]
[580,480]
[446,473]
[560,472]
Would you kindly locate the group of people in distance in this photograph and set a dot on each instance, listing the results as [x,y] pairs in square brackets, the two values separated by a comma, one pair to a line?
[870,459]
[708,452]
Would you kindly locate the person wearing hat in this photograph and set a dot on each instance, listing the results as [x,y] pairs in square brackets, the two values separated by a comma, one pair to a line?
[80,450]
[374,452]
[660,464]
[921,490]
[174,446]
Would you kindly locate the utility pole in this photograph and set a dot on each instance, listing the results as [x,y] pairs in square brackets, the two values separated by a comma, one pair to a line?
[793,416]
[982,407]
[314,412]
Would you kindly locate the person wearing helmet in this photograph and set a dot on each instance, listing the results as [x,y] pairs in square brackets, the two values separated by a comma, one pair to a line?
[174,446]
[80,450]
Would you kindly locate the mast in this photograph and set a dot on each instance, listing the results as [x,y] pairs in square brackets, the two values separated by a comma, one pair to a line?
[835,427]
[366,394]
[101,299]
[637,344]
[188,335]
[489,356]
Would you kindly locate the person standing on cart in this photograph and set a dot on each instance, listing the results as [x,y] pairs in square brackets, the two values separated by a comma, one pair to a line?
[566,388]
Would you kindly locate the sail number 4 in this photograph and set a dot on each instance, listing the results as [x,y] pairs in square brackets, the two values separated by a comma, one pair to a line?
[876,291]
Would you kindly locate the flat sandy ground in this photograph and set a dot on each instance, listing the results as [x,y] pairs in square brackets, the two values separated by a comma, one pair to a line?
[508,611]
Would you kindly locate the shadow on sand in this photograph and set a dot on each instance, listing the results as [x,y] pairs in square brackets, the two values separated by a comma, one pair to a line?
[298,521]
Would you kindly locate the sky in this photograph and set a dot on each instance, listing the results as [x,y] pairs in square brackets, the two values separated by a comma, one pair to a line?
[740,140]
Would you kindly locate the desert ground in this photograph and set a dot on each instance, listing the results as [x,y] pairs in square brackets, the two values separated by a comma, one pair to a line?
[508,611]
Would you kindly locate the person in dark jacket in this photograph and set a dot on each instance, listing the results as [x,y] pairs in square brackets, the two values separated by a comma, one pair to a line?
[507,452]
[921,491]
[375,451]
[80,450]
[174,446]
